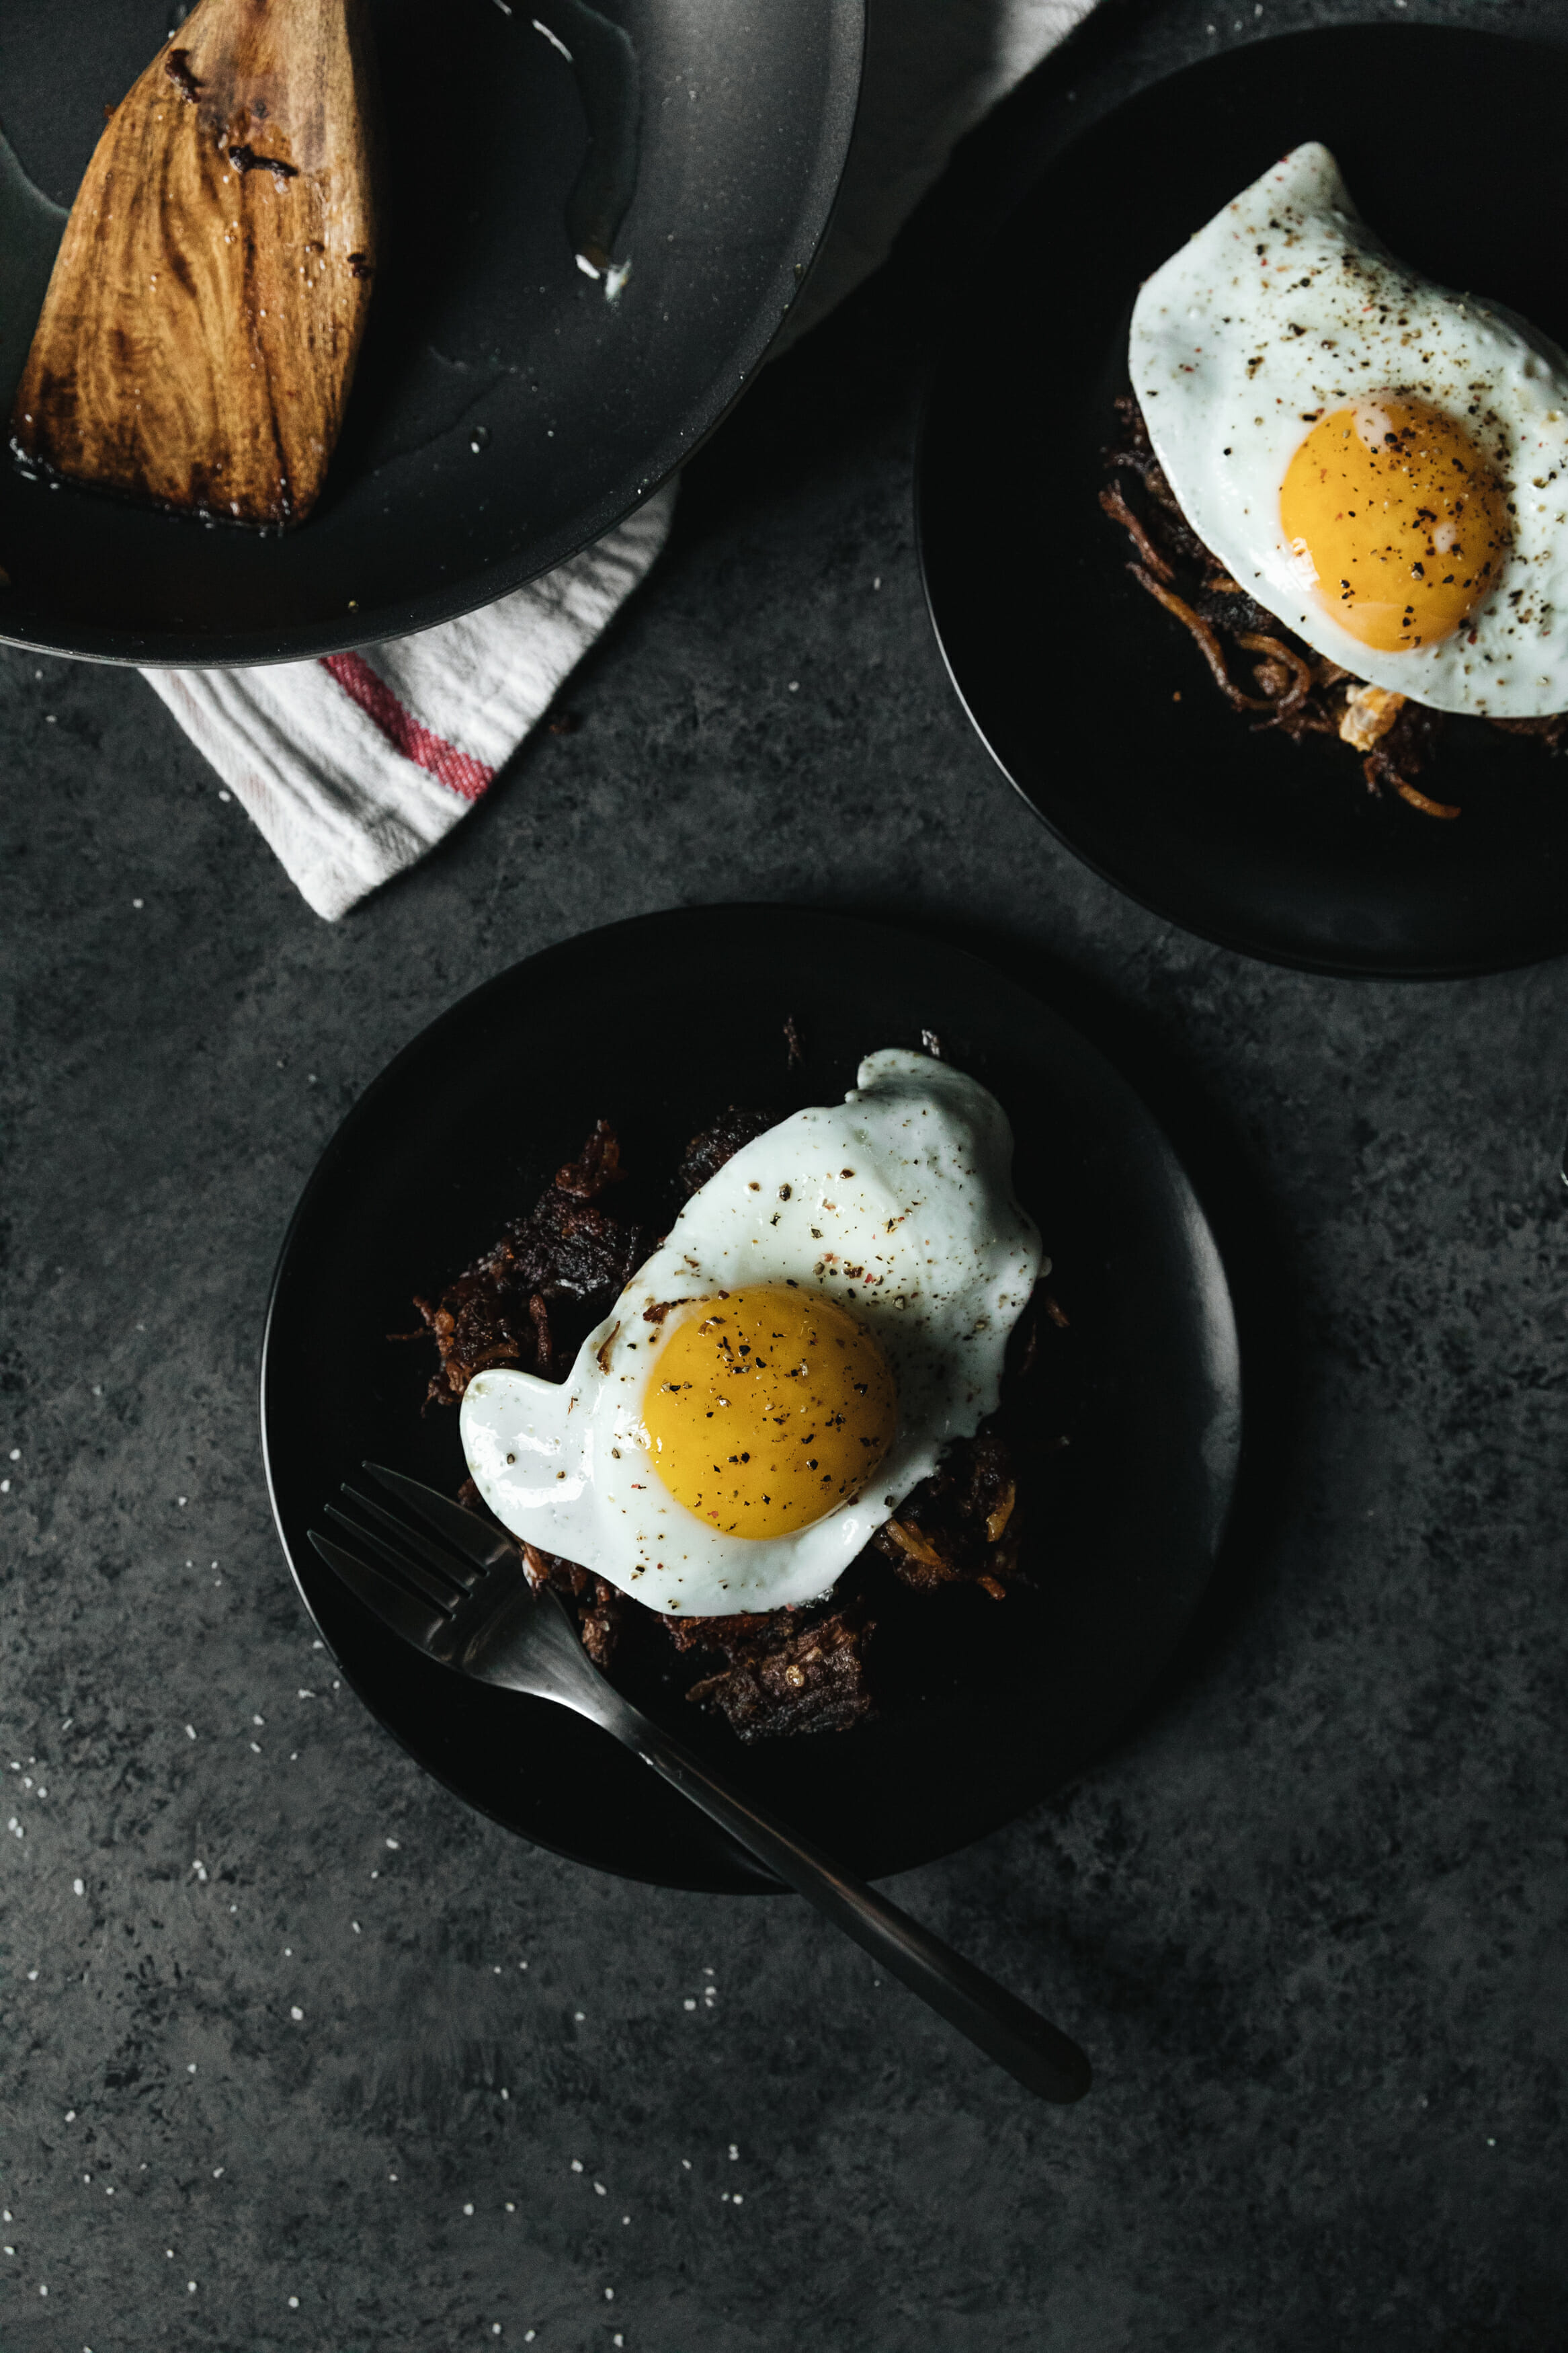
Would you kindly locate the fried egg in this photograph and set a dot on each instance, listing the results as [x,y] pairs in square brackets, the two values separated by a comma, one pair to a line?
[825,1313]
[1382,463]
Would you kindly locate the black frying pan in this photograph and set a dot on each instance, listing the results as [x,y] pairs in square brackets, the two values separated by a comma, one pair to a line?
[506,412]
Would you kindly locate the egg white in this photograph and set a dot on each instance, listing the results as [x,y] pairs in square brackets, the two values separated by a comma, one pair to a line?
[1286,304]
[923,1242]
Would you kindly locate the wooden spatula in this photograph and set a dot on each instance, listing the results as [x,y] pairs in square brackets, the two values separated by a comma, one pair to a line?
[198,339]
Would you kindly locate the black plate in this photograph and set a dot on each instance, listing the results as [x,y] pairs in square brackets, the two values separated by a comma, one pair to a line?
[482,323]
[657,1025]
[1065,667]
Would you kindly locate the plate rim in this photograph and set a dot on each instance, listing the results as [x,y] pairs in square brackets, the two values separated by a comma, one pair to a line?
[1230,1479]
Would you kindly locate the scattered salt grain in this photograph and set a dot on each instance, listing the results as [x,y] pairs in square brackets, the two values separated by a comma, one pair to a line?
[599,2189]
[293,2301]
[393,1844]
[467,2210]
[576,2165]
[78,1888]
[688,2003]
[295,2011]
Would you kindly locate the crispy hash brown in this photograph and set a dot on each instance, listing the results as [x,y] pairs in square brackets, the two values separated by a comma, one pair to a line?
[533,1297]
[1288,686]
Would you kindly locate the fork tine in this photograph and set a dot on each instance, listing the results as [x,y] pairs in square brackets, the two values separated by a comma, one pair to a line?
[473,1537]
[414,1620]
[440,1557]
[445,1592]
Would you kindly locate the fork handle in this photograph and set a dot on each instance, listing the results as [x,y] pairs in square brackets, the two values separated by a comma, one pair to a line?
[1040,2054]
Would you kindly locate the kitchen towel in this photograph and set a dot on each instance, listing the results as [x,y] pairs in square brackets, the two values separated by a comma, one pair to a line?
[355,765]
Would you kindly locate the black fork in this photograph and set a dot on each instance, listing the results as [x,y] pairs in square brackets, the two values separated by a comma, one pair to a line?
[455,1587]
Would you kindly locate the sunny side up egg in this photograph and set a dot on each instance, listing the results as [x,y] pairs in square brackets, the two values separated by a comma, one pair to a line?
[826,1313]
[1379,462]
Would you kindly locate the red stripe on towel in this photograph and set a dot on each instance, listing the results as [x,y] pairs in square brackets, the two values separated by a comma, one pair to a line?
[458,771]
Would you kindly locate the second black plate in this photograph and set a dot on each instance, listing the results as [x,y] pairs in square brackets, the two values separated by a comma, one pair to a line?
[658,1025]
[1070,674]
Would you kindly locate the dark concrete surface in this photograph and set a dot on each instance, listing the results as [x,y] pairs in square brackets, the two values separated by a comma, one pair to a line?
[274,2073]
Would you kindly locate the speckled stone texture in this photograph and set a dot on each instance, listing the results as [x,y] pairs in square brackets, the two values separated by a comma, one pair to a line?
[300,2053]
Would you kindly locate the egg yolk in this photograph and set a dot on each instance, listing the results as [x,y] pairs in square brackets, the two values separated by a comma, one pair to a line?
[767,1409]
[1397,520]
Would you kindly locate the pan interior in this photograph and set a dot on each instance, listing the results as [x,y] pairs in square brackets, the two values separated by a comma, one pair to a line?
[505,410]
